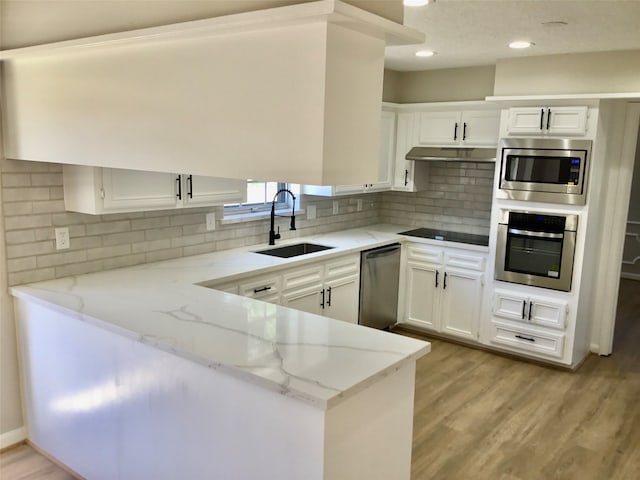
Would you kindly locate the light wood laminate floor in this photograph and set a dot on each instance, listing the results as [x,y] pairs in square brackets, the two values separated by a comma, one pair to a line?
[482,416]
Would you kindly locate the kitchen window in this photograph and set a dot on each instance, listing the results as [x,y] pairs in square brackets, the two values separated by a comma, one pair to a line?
[259,197]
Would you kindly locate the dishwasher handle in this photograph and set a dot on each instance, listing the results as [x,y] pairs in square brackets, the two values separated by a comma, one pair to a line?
[382,252]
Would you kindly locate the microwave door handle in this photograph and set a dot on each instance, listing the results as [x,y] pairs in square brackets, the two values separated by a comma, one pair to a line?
[528,233]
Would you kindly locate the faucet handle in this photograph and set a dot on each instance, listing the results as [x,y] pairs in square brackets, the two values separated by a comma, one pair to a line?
[277,235]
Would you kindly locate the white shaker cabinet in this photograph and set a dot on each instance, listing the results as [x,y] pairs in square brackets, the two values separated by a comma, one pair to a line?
[97,190]
[538,310]
[548,120]
[458,128]
[443,289]
[329,288]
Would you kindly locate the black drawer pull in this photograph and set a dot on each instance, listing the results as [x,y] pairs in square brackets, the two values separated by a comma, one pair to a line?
[528,339]
[524,305]
[261,289]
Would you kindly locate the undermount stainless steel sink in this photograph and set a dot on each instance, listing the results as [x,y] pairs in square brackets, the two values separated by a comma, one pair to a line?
[294,250]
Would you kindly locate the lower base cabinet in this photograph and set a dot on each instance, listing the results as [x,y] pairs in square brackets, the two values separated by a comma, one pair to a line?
[443,290]
[330,288]
[532,323]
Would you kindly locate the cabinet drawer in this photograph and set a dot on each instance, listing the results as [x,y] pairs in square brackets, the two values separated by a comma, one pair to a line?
[263,288]
[467,262]
[425,254]
[343,267]
[542,343]
[299,277]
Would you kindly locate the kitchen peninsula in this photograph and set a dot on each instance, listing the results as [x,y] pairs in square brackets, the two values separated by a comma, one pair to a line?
[144,373]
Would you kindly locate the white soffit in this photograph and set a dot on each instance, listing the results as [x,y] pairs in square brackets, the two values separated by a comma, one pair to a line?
[332,11]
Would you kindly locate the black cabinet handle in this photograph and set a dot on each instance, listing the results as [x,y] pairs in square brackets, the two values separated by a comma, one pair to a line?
[541,117]
[179,194]
[524,306]
[329,299]
[464,131]
[530,308]
[444,282]
[322,303]
[190,186]
[455,131]
[437,273]
[548,118]
[406,177]
[261,289]
[528,339]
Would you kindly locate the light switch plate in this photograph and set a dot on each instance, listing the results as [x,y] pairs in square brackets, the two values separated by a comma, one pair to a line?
[62,238]
[311,212]
[336,207]
[211,221]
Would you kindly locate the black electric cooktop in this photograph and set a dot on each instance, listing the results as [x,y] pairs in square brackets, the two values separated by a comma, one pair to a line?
[448,236]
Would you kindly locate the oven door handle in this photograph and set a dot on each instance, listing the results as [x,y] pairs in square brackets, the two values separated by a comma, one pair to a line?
[529,233]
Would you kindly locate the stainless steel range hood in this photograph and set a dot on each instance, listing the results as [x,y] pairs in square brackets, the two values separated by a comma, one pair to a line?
[454,154]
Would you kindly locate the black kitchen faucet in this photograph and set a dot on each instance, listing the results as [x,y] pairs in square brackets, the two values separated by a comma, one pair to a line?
[273,236]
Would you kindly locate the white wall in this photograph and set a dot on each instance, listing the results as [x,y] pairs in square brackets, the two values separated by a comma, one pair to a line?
[596,72]
[445,85]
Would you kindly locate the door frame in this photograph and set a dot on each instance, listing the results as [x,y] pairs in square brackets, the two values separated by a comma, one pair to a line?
[618,198]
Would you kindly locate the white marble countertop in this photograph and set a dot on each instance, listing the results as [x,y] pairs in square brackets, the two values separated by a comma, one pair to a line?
[306,356]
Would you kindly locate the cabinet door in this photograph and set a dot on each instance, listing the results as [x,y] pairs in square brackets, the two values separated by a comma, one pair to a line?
[567,120]
[461,298]
[439,128]
[342,298]
[422,284]
[403,176]
[200,190]
[526,120]
[510,305]
[386,153]
[548,312]
[307,299]
[130,190]
[480,127]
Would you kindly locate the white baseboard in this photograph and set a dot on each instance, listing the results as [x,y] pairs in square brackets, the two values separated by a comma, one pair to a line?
[14,436]
[630,276]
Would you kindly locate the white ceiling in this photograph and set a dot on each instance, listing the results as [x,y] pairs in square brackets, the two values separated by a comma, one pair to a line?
[477,32]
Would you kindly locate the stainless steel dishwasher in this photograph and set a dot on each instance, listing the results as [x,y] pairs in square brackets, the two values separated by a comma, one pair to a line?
[379,276]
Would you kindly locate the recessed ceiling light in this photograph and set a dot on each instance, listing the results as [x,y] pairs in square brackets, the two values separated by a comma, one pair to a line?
[425,53]
[520,44]
[415,3]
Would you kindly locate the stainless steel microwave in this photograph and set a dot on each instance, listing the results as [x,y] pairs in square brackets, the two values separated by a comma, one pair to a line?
[544,170]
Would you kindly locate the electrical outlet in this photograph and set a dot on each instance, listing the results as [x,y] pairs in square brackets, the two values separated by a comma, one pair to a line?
[311,212]
[211,221]
[336,207]
[359,205]
[62,238]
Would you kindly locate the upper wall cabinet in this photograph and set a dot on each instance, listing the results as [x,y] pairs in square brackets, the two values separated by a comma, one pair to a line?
[461,128]
[548,121]
[109,190]
[289,94]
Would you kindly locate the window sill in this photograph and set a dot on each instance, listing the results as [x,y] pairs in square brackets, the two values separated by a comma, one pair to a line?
[255,216]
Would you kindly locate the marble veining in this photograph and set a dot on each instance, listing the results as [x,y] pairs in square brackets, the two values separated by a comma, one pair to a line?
[164,305]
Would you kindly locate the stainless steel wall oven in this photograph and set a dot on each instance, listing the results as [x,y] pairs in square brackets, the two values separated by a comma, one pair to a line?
[544,170]
[536,249]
